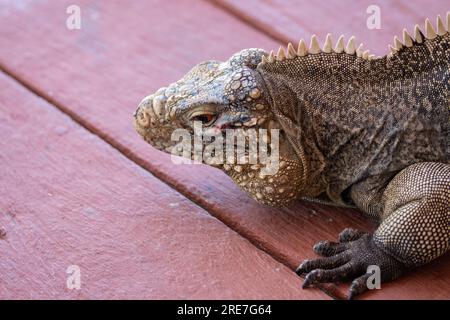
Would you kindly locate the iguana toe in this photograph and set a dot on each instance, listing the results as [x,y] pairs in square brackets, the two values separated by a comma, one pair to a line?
[358,286]
[323,263]
[349,234]
[329,248]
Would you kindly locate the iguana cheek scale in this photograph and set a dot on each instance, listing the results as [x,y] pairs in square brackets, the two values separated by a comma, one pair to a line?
[366,131]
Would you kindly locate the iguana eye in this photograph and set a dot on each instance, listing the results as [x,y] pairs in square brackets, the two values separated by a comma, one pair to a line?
[206,118]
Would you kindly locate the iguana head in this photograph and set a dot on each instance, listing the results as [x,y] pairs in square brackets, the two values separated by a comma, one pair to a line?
[221,96]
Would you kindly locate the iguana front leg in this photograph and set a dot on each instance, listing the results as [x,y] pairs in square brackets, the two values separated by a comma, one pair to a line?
[414,230]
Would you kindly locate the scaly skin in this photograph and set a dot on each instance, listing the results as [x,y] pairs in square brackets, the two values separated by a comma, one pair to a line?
[369,132]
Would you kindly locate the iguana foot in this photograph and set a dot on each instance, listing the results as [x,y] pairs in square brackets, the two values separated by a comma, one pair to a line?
[349,259]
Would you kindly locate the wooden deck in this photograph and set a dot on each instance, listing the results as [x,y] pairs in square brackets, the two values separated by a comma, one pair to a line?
[79,187]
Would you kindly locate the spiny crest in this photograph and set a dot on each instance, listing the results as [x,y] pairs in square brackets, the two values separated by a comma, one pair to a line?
[430,33]
[314,48]
[351,48]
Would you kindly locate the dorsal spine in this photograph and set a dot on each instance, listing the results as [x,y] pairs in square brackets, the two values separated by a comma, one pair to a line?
[351,48]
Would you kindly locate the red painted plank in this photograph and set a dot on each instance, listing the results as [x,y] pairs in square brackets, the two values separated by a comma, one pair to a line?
[289,20]
[98,75]
[68,198]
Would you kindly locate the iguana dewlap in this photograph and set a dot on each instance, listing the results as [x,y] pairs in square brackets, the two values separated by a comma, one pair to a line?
[373,132]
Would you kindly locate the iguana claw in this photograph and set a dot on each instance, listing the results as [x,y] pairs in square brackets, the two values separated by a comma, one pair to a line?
[349,259]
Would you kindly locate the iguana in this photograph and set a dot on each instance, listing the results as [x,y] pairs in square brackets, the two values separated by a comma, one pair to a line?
[371,132]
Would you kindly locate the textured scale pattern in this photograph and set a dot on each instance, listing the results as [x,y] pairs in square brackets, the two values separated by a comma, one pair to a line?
[416,217]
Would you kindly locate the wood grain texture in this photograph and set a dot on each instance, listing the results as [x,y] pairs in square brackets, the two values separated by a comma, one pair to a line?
[292,20]
[99,74]
[68,198]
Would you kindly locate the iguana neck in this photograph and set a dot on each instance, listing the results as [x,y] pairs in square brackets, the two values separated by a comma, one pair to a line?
[330,102]
[295,119]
